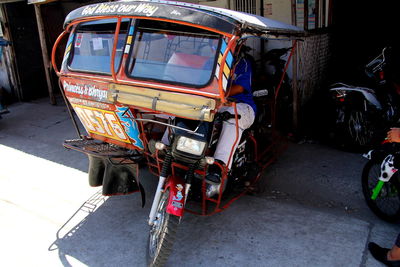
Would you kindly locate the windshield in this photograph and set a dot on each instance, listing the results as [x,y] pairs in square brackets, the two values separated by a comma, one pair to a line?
[173,53]
[93,44]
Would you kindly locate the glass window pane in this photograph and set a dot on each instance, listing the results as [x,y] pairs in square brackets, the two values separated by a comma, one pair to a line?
[93,44]
[173,53]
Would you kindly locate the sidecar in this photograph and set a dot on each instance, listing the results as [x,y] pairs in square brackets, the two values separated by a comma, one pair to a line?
[130,67]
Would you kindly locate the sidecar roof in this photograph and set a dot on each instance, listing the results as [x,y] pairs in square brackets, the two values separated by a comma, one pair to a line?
[224,20]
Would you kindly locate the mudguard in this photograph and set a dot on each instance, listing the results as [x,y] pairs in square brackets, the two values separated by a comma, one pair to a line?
[368,93]
[381,152]
[115,179]
[176,201]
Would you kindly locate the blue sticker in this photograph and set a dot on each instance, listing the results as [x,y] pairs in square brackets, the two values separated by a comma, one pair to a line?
[131,30]
[130,126]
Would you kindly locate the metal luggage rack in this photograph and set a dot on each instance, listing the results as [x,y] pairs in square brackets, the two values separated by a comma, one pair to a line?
[101,149]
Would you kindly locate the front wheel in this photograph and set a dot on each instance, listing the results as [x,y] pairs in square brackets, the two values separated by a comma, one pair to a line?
[387,205]
[162,234]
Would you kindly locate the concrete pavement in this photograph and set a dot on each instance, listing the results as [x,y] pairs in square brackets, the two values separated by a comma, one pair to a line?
[310,214]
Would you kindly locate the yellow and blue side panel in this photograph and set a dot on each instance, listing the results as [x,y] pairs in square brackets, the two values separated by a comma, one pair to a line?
[227,66]
[129,40]
[130,126]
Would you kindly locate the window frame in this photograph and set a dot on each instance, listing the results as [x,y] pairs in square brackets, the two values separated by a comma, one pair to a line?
[75,33]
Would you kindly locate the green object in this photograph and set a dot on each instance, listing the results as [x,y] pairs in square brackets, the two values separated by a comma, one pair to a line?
[377,190]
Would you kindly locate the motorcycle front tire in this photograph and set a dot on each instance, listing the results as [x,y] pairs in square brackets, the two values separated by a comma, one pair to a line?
[387,205]
[162,234]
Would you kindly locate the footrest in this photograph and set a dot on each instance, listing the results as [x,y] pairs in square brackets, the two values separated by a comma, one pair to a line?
[100,149]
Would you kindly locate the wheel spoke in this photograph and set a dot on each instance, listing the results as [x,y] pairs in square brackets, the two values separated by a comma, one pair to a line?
[358,128]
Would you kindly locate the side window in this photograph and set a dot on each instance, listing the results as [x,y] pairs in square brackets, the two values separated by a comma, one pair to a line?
[93,45]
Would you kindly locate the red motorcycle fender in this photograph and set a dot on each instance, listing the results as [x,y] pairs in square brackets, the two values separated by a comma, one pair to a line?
[176,201]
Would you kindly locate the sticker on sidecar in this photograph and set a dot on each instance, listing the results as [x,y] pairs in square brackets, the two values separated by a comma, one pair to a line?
[177,204]
[178,196]
[101,122]
[130,126]
[91,91]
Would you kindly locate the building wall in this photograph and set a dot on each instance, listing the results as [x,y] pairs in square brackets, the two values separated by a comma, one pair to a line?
[273,9]
[7,79]
[278,10]
[217,3]
[4,80]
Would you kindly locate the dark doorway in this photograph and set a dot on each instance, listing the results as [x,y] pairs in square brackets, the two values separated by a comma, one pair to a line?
[25,40]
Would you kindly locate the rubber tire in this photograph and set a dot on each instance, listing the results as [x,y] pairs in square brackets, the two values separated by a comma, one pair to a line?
[168,233]
[365,137]
[367,192]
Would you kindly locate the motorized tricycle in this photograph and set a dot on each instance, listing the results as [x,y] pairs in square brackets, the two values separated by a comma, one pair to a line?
[135,71]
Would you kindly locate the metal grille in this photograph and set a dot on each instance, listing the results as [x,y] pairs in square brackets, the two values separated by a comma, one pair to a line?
[248,6]
[313,57]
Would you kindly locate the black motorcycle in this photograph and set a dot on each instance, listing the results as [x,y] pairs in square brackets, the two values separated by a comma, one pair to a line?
[362,115]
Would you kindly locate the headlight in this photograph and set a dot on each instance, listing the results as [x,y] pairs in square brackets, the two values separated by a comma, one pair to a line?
[190,146]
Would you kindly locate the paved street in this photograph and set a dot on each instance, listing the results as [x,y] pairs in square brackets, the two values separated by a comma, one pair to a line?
[310,213]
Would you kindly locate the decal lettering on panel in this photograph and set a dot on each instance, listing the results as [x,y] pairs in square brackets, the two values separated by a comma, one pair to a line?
[88,103]
[101,122]
[88,90]
[104,8]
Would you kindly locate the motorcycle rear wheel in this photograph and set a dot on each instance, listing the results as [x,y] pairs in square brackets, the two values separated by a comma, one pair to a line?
[162,234]
[387,205]
[360,129]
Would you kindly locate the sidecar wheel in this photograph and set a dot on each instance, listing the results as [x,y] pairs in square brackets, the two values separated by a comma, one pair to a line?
[162,234]
[387,205]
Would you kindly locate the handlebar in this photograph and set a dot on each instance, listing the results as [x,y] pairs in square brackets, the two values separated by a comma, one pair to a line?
[377,64]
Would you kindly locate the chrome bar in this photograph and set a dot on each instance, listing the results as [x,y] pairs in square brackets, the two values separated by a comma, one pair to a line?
[169,125]
[156,200]
[187,188]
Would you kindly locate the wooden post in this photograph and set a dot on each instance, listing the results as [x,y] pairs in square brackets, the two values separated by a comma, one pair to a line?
[305,15]
[323,15]
[295,88]
[10,59]
[45,54]
[317,14]
[294,16]
[295,93]
[330,10]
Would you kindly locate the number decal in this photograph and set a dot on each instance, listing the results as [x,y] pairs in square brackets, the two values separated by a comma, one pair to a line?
[116,127]
[101,122]
[101,119]
[84,119]
[95,122]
